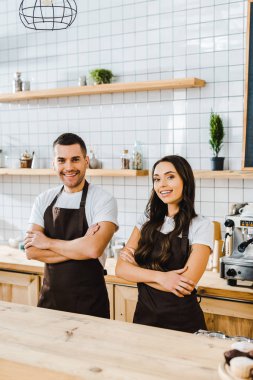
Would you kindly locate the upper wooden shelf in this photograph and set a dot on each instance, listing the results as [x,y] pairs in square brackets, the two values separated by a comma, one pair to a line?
[89,172]
[103,89]
[198,174]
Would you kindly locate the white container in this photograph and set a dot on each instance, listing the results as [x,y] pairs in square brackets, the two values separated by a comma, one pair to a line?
[1,159]
[35,163]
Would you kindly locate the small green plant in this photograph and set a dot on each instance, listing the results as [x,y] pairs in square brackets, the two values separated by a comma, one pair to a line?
[216,133]
[101,76]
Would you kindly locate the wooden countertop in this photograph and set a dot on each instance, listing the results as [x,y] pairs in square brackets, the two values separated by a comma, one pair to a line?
[209,285]
[15,260]
[51,345]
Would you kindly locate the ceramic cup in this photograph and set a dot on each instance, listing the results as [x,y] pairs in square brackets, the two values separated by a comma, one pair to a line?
[247,210]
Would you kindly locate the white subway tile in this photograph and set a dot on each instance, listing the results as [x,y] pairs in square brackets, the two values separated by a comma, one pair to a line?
[137,40]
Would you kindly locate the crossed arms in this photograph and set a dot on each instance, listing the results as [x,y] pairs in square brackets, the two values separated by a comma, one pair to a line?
[90,246]
[180,282]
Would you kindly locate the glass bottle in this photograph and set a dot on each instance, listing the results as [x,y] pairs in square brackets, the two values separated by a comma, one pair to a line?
[137,158]
[125,160]
[94,163]
[17,82]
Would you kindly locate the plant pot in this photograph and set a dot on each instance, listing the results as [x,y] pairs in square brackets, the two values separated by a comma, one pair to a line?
[217,163]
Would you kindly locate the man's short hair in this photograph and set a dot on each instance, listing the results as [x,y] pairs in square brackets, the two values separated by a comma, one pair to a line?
[71,139]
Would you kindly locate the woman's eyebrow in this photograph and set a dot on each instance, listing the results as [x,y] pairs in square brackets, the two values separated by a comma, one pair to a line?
[157,175]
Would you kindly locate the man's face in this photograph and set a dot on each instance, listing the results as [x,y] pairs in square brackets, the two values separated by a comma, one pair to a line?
[70,165]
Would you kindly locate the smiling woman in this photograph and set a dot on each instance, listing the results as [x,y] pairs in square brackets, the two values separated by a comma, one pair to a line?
[168,251]
[168,186]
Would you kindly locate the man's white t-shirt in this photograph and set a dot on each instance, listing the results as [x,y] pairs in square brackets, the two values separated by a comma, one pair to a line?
[100,206]
[200,229]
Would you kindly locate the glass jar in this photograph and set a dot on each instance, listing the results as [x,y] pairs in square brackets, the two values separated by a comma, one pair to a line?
[94,163]
[17,82]
[137,158]
[26,85]
[125,160]
[82,81]
[1,159]
[26,160]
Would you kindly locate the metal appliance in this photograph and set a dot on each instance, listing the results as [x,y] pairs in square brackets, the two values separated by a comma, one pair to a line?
[237,264]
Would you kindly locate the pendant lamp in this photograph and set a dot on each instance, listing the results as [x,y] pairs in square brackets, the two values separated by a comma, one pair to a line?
[47,14]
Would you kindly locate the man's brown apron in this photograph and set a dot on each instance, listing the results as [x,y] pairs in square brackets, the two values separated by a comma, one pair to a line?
[164,309]
[77,286]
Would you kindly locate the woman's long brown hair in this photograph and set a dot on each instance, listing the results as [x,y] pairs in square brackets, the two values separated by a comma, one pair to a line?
[156,210]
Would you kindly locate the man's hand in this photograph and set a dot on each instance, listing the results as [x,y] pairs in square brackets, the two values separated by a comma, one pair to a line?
[127,254]
[174,282]
[36,239]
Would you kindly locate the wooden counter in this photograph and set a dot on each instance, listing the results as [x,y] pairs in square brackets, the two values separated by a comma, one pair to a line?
[209,285]
[15,260]
[53,345]
[226,308]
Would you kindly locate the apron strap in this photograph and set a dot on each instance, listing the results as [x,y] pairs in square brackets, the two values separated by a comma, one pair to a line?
[185,242]
[82,217]
[55,210]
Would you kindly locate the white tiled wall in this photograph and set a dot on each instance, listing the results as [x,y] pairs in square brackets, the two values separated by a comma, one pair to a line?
[137,40]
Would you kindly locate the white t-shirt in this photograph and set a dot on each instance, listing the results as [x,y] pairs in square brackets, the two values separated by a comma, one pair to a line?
[200,229]
[100,206]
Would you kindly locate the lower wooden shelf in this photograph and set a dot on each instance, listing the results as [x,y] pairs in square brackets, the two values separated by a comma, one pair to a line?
[89,172]
[198,174]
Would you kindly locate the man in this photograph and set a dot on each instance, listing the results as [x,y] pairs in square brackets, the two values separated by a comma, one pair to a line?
[60,236]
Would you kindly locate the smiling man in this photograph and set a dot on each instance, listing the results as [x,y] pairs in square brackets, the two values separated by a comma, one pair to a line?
[61,234]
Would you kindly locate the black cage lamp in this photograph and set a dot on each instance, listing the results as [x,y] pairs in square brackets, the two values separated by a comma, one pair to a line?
[47,14]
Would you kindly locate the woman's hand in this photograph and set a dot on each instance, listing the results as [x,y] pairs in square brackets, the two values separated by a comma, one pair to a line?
[92,230]
[174,282]
[36,239]
[127,254]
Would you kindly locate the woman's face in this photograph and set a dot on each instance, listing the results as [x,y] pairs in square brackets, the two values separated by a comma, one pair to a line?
[168,185]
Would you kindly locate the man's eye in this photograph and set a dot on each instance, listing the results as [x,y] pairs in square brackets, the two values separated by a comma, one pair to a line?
[60,161]
[76,159]
[156,179]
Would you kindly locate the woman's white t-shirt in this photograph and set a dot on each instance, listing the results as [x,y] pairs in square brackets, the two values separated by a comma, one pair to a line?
[200,229]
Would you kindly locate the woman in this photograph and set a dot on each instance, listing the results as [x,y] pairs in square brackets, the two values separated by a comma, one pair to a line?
[168,251]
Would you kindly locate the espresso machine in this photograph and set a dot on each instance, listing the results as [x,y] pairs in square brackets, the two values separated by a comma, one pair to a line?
[237,262]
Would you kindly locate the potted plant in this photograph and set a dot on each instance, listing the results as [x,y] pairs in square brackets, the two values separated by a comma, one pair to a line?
[216,140]
[100,76]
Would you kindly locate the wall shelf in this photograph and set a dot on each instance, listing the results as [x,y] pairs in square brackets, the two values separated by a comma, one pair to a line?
[103,89]
[223,174]
[89,172]
[198,174]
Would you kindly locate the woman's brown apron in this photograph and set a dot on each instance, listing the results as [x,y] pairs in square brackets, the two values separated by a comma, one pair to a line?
[77,286]
[164,309]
